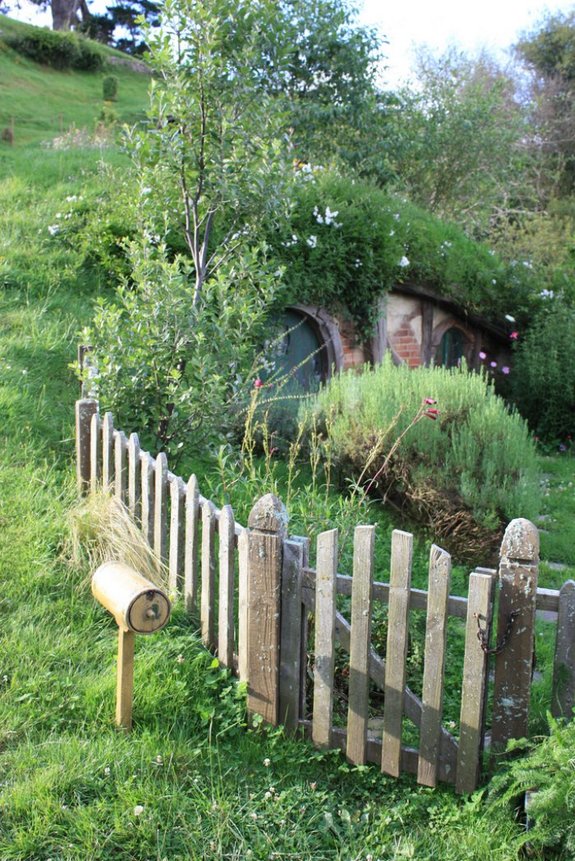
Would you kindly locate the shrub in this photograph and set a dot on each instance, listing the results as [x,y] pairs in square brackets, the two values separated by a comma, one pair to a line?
[110,88]
[464,474]
[173,370]
[58,50]
[547,768]
[544,374]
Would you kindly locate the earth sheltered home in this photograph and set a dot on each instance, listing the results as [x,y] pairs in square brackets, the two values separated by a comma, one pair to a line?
[414,322]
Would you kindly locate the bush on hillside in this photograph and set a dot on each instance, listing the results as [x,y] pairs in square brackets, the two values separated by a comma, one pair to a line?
[464,475]
[58,50]
[110,88]
[348,242]
[544,374]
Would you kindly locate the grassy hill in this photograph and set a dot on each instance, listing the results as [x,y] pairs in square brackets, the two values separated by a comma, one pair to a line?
[42,102]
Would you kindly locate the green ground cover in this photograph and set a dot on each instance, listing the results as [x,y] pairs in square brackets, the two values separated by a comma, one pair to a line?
[191,781]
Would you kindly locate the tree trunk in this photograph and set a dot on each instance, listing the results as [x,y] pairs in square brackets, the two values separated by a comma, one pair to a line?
[65,13]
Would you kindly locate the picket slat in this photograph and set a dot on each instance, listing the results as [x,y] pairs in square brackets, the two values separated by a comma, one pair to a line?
[95,452]
[134,477]
[177,534]
[474,683]
[161,507]
[192,544]
[226,533]
[120,466]
[107,452]
[207,620]
[363,549]
[563,699]
[243,606]
[147,466]
[433,668]
[324,660]
[290,634]
[396,653]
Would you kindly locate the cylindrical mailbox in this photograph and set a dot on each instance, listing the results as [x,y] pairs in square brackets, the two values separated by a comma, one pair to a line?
[136,603]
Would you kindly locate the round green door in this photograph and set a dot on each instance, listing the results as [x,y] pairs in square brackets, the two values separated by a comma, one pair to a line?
[301,354]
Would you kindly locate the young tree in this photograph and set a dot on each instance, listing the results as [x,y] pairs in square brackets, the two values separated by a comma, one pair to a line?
[212,152]
[175,349]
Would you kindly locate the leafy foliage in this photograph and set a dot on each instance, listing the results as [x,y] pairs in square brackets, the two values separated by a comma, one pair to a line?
[544,379]
[173,369]
[546,769]
[457,140]
[348,242]
[59,50]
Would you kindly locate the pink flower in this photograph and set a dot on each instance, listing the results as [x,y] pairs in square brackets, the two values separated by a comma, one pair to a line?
[432,414]
[482,355]
[514,336]
[493,364]
[430,401]
[505,369]
[258,383]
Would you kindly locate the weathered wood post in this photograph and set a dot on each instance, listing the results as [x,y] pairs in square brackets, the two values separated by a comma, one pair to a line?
[85,409]
[518,571]
[563,698]
[267,525]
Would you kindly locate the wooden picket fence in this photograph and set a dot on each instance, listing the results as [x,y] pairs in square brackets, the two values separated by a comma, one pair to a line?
[282,625]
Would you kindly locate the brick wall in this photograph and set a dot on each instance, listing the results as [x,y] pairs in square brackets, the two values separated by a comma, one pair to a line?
[406,345]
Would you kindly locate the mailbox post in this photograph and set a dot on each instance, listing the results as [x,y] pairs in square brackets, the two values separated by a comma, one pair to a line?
[138,607]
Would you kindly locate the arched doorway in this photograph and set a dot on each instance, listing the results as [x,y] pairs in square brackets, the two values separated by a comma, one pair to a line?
[307,349]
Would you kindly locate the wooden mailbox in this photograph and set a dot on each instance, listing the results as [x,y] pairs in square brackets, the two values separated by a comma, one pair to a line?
[138,607]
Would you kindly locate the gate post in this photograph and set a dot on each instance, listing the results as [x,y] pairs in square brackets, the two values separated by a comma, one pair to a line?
[267,526]
[85,409]
[518,571]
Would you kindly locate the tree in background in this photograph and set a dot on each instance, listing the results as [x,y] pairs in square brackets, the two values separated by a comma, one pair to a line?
[549,54]
[457,140]
[333,106]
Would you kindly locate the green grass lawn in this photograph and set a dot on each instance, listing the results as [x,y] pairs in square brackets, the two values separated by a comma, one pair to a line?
[191,781]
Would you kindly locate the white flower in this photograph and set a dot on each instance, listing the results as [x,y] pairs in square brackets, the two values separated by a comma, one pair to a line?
[403,262]
[312,241]
[508,316]
[138,809]
[71,198]
[53,229]
[528,264]
[331,216]
[547,294]
[357,263]
[267,762]
[396,216]
[391,233]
